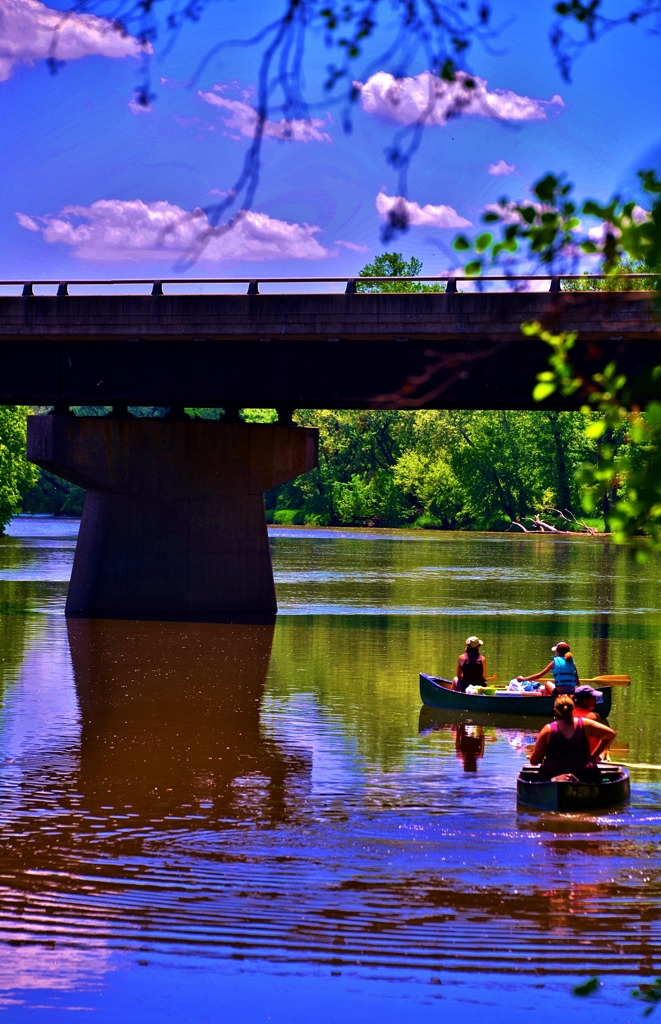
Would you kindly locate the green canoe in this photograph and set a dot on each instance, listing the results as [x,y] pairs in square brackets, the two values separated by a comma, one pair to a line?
[435,692]
[614,788]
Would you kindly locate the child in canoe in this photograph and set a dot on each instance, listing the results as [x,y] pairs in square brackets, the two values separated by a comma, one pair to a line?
[563,668]
[571,746]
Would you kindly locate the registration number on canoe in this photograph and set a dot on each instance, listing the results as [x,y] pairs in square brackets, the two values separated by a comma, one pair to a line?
[583,792]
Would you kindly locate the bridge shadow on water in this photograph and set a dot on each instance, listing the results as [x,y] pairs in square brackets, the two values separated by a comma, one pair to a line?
[171,720]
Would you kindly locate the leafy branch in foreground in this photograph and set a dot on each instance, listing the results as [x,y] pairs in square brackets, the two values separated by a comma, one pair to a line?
[650,994]
[632,472]
[593,24]
[548,231]
[544,226]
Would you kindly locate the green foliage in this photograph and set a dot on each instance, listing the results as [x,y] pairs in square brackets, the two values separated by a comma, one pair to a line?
[393,264]
[548,232]
[616,283]
[650,994]
[627,469]
[587,988]
[16,472]
[259,415]
[437,469]
[289,517]
[625,474]
[544,226]
[50,495]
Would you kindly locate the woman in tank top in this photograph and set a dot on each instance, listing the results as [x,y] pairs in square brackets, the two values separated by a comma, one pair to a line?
[570,745]
[471,666]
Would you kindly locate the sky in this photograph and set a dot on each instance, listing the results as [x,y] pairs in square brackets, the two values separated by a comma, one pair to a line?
[92,185]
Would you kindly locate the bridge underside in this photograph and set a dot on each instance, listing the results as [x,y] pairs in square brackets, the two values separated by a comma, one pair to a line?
[463,351]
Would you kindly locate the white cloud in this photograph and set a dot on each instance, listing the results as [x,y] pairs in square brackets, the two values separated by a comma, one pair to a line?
[243,118]
[31,31]
[27,222]
[113,229]
[352,245]
[419,216]
[431,100]
[501,168]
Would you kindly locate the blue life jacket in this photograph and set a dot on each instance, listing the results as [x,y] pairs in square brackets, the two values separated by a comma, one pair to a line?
[565,673]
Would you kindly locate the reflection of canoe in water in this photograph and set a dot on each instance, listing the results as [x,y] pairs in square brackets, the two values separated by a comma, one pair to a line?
[437,695]
[573,796]
[440,719]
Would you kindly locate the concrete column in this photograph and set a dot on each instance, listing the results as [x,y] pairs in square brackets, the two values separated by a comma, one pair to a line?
[173,524]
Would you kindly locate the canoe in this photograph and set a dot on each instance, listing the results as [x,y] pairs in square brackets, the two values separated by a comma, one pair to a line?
[437,695]
[573,796]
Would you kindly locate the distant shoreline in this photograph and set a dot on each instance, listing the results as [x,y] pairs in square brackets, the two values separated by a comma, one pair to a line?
[371,532]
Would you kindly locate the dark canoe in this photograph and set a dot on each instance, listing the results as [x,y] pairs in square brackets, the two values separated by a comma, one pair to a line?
[435,695]
[573,796]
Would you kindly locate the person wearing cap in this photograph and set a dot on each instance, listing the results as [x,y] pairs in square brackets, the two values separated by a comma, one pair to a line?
[471,666]
[563,667]
[585,703]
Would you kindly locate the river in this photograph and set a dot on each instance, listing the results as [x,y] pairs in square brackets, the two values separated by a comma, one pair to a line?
[245,823]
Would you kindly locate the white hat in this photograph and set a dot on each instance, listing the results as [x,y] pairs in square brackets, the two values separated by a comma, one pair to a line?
[474,642]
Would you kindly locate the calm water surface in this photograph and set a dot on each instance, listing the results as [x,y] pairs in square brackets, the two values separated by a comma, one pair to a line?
[241,824]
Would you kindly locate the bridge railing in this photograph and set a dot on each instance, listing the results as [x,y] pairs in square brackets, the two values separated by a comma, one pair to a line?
[251,285]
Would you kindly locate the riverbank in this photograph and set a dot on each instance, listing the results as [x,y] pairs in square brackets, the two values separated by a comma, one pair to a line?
[28,526]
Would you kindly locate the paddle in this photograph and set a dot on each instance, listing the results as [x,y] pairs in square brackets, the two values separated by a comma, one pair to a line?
[603,680]
[608,681]
[629,764]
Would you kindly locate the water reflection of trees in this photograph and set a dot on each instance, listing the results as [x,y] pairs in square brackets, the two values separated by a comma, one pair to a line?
[16,628]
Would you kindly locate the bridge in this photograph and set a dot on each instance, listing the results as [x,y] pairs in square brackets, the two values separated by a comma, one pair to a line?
[173,525]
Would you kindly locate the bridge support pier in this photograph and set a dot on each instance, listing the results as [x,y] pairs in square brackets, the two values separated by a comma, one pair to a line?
[173,525]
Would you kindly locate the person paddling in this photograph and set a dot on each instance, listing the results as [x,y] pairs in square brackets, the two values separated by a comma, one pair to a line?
[563,667]
[471,666]
[571,745]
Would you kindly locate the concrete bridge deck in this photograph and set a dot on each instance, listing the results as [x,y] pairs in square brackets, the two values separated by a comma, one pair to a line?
[309,350]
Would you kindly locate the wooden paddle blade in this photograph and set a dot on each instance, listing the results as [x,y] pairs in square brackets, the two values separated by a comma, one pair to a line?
[629,764]
[607,681]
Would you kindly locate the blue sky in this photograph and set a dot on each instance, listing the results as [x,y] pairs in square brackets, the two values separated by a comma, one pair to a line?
[74,140]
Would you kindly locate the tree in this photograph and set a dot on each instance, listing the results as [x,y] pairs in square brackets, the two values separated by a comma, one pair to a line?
[393,264]
[442,469]
[16,472]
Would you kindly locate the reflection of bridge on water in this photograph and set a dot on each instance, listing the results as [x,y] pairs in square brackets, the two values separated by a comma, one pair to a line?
[173,526]
[171,721]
